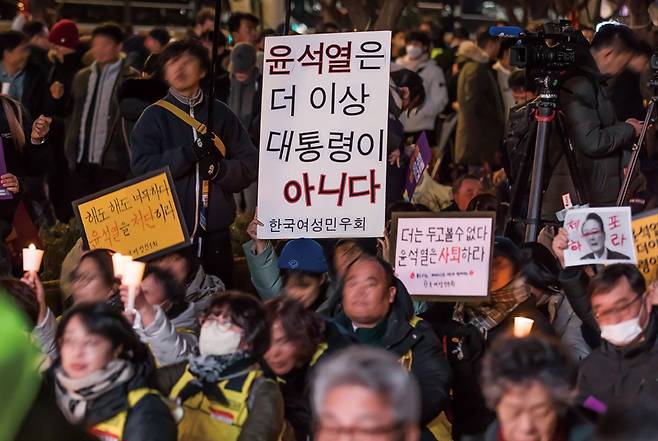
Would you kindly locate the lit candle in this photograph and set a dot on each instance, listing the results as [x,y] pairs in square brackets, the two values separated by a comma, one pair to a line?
[119,263]
[133,272]
[522,326]
[32,258]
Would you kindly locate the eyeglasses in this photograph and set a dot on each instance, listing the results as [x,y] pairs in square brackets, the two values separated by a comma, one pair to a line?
[615,311]
[329,432]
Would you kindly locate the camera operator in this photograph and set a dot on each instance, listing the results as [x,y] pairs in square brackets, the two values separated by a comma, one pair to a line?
[600,140]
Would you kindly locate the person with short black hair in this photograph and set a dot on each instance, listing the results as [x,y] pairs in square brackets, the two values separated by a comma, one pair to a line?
[503,70]
[222,76]
[163,137]
[623,366]
[223,391]
[102,379]
[243,28]
[200,287]
[327,27]
[529,383]
[633,420]
[156,40]
[523,89]
[95,146]
[23,80]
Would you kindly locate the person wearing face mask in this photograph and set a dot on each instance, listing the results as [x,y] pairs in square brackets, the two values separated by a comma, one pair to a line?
[624,366]
[417,59]
[223,392]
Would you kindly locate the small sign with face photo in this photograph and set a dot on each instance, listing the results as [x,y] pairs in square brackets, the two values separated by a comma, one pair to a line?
[602,235]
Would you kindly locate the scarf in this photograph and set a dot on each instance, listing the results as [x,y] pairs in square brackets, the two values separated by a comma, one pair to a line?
[73,394]
[209,370]
[188,101]
[486,316]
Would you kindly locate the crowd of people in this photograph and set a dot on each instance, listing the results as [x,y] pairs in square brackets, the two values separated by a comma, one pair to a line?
[330,344]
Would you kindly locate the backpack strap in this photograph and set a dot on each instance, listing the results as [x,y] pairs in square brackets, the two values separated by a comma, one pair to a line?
[196,125]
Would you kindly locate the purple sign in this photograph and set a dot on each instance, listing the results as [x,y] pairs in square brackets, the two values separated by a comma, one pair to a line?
[419,161]
[4,193]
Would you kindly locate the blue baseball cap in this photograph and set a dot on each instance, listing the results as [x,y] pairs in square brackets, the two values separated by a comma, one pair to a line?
[303,255]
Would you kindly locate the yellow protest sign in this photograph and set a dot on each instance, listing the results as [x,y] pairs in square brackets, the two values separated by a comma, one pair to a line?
[645,235]
[139,217]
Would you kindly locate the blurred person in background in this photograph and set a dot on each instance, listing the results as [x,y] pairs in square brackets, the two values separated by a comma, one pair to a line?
[417,59]
[37,32]
[66,55]
[96,149]
[101,381]
[245,100]
[243,28]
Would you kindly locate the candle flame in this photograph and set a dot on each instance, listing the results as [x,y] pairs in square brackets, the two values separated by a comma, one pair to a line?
[32,247]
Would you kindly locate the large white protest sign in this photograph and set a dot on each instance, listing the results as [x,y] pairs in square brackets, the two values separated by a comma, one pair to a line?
[600,235]
[322,170]
[446,256]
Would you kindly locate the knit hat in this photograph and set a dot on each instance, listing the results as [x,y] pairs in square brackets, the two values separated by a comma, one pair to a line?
[243,58]
[303,255]
[65,33]
[504,247]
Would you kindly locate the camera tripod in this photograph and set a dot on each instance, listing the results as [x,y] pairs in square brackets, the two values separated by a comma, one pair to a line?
[649,119]
[546,113]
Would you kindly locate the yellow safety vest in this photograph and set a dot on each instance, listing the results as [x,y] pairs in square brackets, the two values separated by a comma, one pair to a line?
[440,427]
[206,420]
[112,429]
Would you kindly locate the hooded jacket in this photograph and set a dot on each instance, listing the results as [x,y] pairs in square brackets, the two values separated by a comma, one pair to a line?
[428,364]
[481,116]
[149,419]
[613,373]
[161,139]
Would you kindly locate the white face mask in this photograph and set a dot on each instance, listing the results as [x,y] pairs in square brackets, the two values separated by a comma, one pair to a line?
[414,52]
[216,339]
[624,333]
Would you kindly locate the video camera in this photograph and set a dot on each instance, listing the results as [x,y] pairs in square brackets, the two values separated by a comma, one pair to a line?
[552,48]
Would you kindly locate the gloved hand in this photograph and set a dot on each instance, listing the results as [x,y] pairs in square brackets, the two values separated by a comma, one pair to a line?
[203,146]
[209,167]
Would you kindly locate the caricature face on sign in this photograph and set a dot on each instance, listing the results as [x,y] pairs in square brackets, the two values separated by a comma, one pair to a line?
[599,235]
